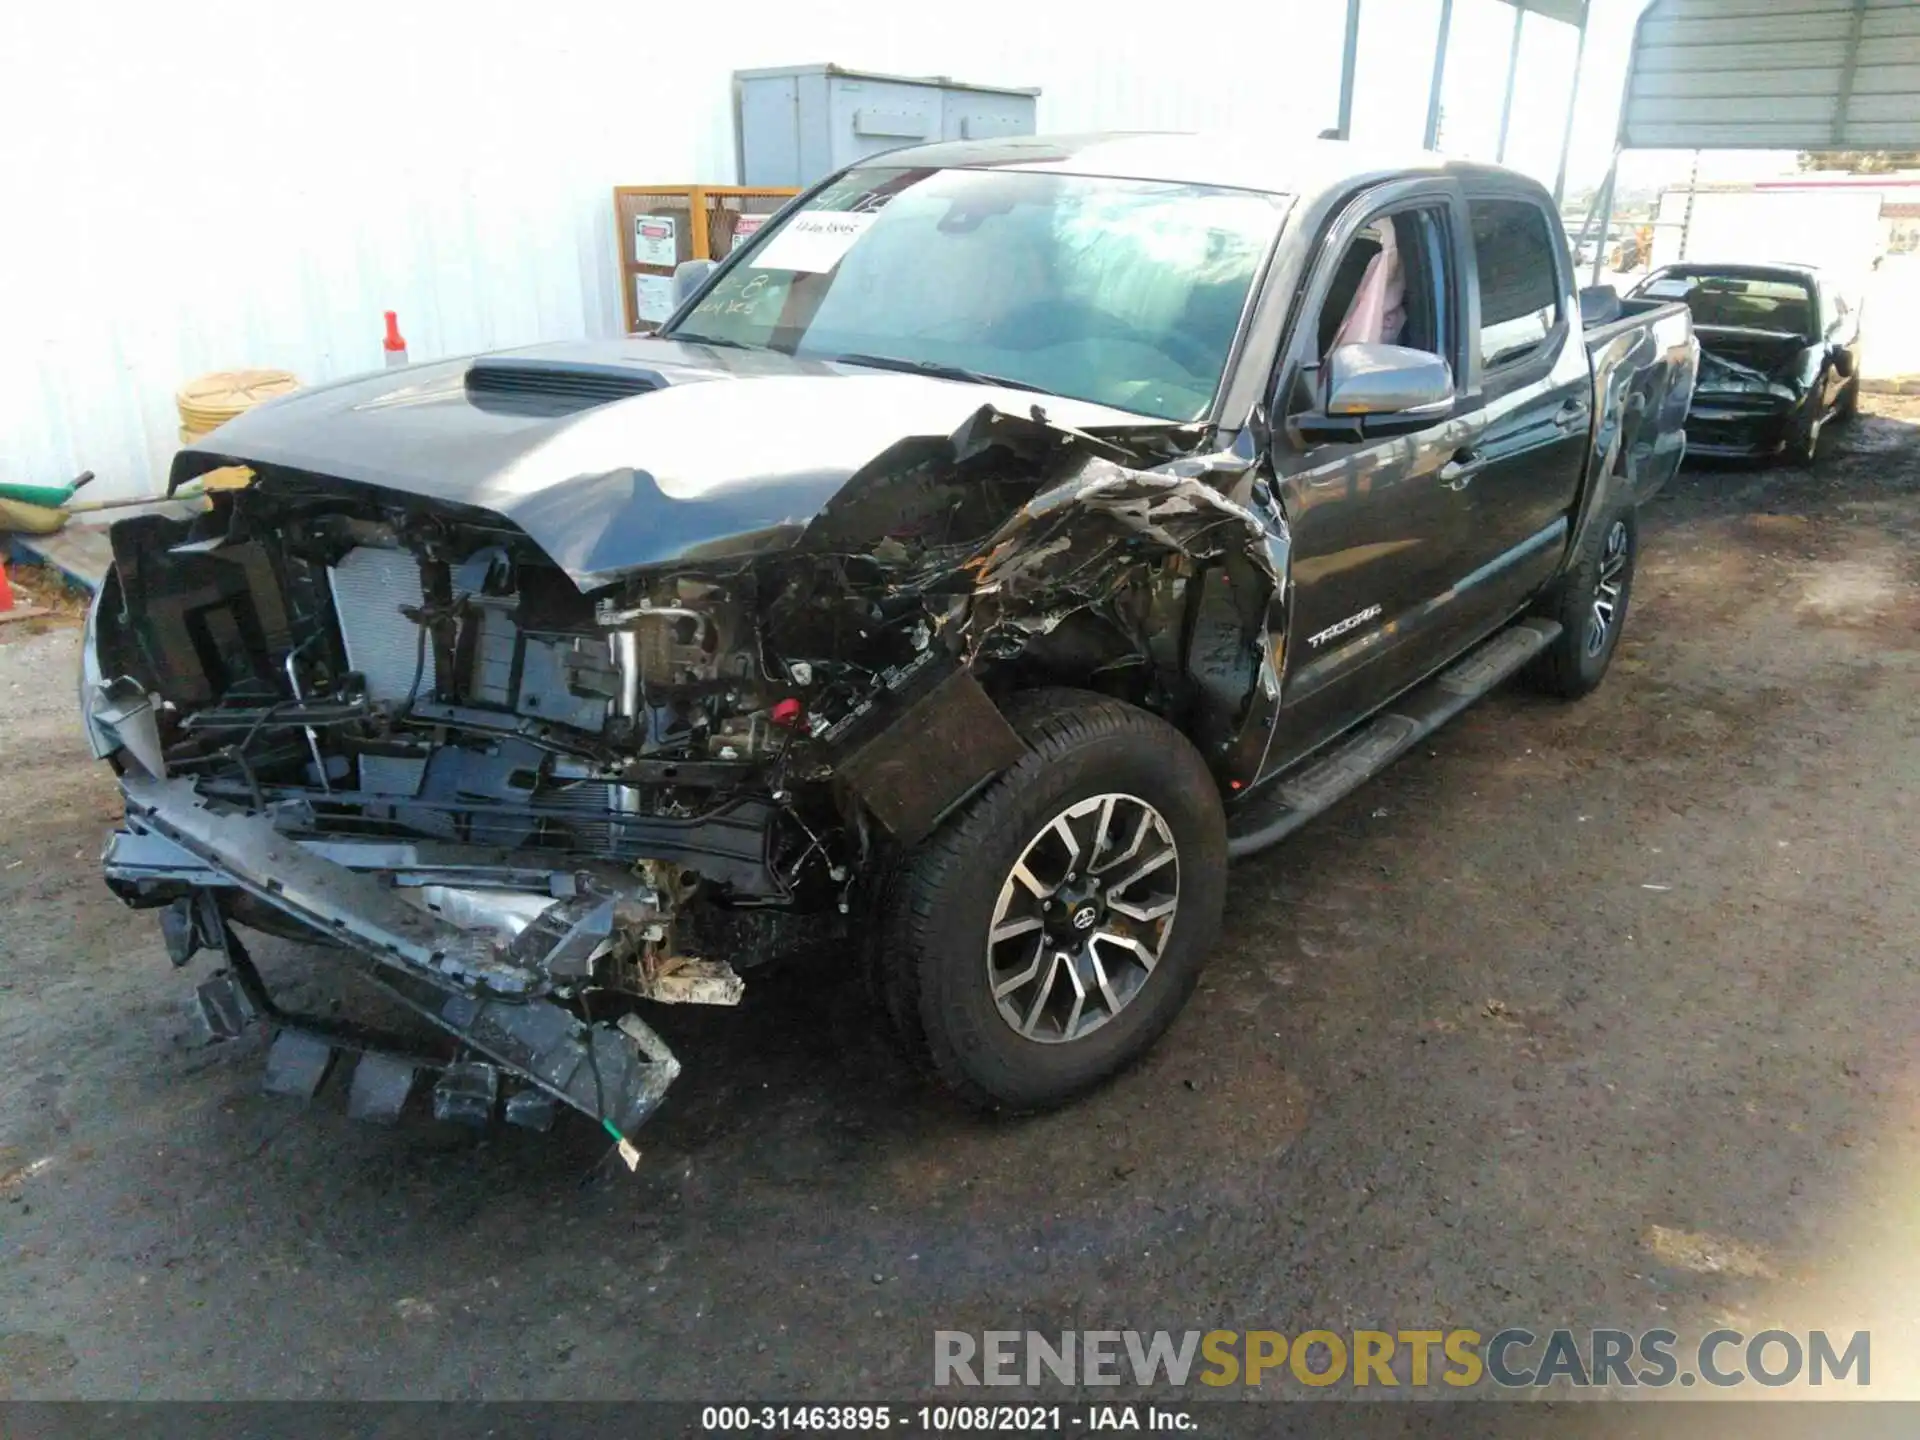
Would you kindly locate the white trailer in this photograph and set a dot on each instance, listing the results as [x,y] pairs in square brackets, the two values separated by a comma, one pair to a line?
[1837,227]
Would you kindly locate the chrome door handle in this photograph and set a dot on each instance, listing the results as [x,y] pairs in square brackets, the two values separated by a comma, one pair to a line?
[1570,416]
[1458,472]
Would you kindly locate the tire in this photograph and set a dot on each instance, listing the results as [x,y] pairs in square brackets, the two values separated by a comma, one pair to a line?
[1114,765]
[1599,583]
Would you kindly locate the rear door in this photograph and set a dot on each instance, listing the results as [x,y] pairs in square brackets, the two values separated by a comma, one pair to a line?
[1529,374]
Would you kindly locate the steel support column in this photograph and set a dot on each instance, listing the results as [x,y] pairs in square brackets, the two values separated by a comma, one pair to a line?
[1606,216]
[1349,55]
[1513,66]
[1573,96]
[1432,136]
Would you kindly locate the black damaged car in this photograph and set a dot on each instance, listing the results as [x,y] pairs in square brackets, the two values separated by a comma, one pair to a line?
[1779,356]
[1004,539]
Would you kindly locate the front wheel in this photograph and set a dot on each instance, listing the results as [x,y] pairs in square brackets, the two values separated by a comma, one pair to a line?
[1590,602]
[1047,935]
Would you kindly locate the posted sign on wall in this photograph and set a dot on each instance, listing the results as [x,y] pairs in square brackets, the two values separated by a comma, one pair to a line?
[745,228]
[656,240]
[653,298]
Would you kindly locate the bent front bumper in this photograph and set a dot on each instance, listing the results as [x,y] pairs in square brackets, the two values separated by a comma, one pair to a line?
[1739,425]
[471,940]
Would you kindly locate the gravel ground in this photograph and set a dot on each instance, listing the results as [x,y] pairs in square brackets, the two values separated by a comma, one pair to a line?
[1591,1015]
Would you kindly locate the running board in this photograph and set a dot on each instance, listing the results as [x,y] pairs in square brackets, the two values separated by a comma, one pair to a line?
[1291,801]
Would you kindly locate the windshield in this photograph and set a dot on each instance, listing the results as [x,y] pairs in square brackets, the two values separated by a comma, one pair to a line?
[1733,302]
[1122,292]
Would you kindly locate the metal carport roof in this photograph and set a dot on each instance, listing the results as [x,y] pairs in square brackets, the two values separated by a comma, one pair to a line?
[1774,75]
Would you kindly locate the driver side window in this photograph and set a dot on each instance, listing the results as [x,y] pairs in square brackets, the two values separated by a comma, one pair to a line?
[1389,288]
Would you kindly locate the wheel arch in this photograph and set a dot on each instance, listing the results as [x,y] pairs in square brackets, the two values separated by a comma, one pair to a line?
[1193,641]
[928,963]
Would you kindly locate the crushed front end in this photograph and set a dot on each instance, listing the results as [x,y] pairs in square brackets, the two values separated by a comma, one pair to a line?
[527,807]
[400,731]
[1746,402]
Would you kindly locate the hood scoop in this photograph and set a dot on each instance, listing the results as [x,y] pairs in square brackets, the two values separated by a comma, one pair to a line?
[520,386]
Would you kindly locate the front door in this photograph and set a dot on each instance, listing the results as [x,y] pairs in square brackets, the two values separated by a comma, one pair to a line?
[1376,524]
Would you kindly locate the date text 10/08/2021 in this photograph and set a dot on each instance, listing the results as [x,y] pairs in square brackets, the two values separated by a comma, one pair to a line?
[941,1419]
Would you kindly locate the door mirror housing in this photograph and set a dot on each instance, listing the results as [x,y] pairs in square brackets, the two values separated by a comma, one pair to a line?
[1373,390]
[1843,362]
[688,277]
[1386,380]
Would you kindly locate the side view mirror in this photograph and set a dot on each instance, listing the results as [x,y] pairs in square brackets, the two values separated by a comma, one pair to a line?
[688,277]
[1843,362]
[1375,390]
[1387,380]
[1599,304]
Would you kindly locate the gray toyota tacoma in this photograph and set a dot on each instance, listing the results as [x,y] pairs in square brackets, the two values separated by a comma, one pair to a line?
[1004,539]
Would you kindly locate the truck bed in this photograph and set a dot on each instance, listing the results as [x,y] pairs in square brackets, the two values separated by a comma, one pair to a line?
[1635,314]
[1644,365]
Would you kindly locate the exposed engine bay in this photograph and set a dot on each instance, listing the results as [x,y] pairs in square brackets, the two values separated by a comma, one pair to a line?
[527,807]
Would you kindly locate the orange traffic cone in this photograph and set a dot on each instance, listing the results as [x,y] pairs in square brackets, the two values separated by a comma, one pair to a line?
[395,344]
[6,590]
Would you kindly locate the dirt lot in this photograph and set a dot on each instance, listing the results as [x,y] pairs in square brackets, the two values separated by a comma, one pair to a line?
[1589,1015]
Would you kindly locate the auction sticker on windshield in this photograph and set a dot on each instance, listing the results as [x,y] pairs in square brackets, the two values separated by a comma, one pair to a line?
[813,241]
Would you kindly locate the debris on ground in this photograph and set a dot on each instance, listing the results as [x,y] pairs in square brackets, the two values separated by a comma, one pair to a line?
[1707,1254]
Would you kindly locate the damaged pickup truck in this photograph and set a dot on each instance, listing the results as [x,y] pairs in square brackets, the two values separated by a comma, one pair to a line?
[1004,539]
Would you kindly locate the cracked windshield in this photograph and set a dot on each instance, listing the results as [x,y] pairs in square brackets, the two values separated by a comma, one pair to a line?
[1122,292]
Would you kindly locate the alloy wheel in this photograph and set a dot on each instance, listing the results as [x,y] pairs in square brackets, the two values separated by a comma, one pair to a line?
[1083,917]
[1606,589]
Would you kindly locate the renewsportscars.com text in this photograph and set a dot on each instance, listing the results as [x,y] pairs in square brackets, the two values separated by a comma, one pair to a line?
[1513,1358]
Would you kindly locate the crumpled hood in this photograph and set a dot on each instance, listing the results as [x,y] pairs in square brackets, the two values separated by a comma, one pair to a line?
[728,453]
[1749,362]
[1720,375]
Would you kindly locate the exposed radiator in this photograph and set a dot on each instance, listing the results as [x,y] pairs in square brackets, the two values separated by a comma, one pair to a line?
[369,587]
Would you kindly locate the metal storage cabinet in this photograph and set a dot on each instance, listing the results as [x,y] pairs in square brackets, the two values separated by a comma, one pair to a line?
[798,123]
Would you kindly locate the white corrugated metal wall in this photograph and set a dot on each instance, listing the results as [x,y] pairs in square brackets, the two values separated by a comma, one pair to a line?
[194,188]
